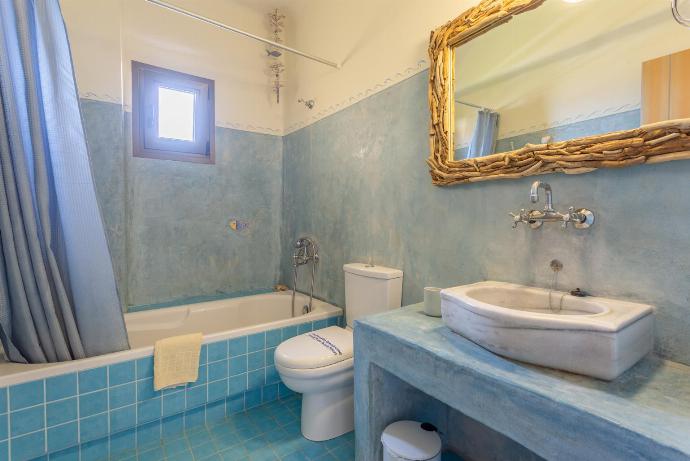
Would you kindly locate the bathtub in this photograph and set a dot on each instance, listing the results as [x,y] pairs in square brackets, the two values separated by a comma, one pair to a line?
[236,372]
[223,319]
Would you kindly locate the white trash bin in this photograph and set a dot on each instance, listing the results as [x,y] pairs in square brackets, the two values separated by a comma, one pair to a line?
[411,441]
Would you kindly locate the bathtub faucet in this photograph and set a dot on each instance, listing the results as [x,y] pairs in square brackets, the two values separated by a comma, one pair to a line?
[306,250]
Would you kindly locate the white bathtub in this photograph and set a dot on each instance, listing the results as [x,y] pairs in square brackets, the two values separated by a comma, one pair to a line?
[225,318]
[217,320]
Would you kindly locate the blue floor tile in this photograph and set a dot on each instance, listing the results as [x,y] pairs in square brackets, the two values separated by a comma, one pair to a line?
[269,432]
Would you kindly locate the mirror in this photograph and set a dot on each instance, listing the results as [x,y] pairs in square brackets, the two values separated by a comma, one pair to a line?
[524,87]
[565,70]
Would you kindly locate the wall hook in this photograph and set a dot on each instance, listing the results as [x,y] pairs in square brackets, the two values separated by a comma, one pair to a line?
[309,103]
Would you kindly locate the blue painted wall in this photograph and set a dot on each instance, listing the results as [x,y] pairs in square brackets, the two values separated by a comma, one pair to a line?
[357,181]
[167,221]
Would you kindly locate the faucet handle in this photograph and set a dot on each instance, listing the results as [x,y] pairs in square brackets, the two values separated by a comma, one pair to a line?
[518,218]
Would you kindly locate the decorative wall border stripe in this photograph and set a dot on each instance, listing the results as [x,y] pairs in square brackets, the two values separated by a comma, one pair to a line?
[420,66]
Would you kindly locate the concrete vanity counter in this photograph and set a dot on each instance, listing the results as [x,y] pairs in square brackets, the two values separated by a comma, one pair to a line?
[644,414]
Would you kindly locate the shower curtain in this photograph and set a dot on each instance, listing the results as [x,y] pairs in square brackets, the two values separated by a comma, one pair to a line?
[58,298]
[484,138]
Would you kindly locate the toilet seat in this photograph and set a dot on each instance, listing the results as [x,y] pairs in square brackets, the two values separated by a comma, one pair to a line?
[310,373]
[316,350]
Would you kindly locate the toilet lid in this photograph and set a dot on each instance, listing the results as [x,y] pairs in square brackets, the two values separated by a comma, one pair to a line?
[315,349]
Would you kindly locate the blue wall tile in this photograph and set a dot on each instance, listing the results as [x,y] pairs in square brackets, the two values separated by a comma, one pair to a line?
[272,376]
[217,370]
[269,393]
[173,403]
[121,373]
[238,365]
[217,351]
[284,391]
[234,404]
[96,450]
[93,380]
[3,400]
[61,411]
[270,356]
[333,321]
[304,328]
[4,430]
[196,396]
[64,436]
[255,379]
[123,444]
[202,377]
[60,387]
[203,354]
[237,384]
[27,420]
[256,360]
[252,398]
[217,390]
[145,367]
[289,332]
[125,394]
[273,337]
[145,390]
[93,403]
[319,324]
[148,434]
[28,446]
[26,395]
[123,418]
[256,342]
[93,427]
[172,426]
[237,346]
[215,412]
[149,410]
[70,454]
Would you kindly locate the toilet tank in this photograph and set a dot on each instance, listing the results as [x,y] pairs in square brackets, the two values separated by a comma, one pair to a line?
[370,289]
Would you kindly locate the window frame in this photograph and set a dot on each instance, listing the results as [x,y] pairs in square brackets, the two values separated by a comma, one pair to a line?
[146,79]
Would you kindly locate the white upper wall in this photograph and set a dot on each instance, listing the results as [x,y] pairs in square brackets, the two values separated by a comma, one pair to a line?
[380,43]
[106,35]
[94,34]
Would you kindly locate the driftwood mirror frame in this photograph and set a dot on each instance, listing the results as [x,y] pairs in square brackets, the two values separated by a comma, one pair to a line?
[656,143]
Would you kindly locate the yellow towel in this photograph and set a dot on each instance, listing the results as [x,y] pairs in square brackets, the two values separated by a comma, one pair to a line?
[176,361]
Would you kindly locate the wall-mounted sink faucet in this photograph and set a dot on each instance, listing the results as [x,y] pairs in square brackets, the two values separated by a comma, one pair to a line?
[581,218]
[534,194]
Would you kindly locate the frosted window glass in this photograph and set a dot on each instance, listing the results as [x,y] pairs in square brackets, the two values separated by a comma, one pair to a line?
[175,114]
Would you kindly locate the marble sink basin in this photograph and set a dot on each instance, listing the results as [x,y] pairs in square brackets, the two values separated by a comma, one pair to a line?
[591,336]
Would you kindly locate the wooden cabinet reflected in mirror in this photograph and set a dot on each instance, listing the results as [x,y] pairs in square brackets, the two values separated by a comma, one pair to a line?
[666,88]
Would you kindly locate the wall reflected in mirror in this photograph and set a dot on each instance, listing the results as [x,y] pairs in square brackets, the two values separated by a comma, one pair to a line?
[567,70]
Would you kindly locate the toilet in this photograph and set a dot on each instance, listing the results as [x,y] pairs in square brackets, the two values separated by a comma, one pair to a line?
[320,364]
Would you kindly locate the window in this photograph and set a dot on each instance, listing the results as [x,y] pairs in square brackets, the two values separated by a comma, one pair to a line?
[172,115]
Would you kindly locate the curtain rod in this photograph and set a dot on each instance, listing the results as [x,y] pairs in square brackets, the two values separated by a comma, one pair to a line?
[220,25]
[472,105]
